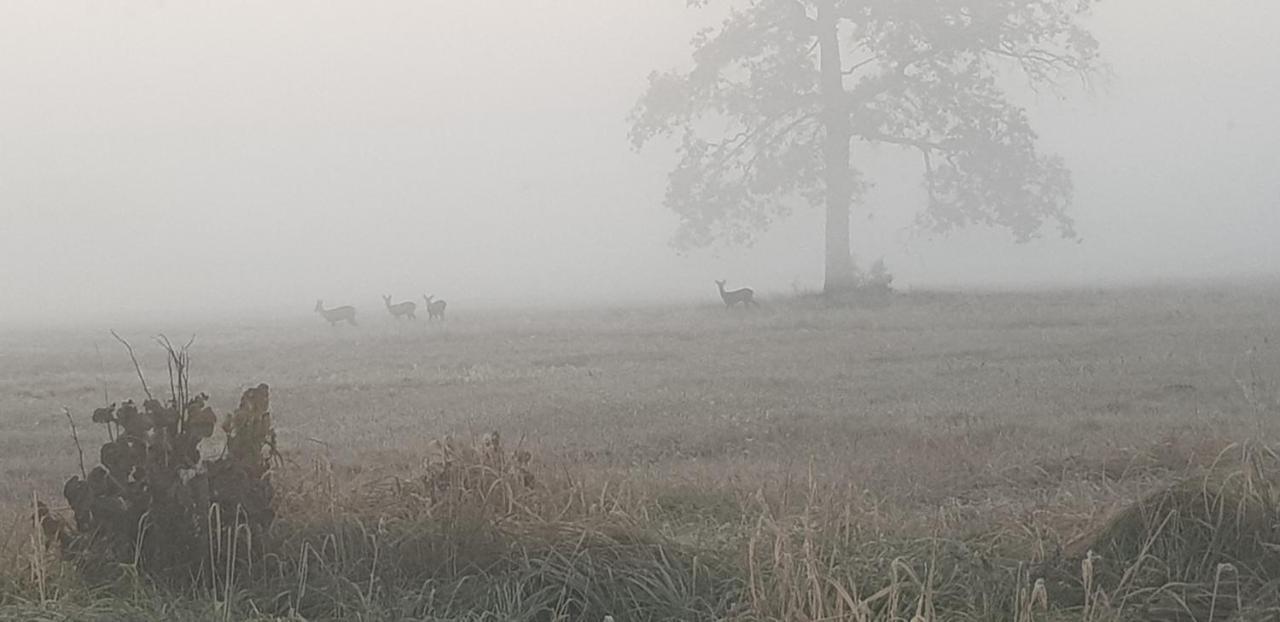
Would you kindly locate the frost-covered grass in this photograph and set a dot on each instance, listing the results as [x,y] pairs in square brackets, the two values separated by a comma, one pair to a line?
[796,462]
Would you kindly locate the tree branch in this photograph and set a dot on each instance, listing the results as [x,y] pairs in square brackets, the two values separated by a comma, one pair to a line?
[928,172]
[754,136]
[922,145]
[1039,62]
[750,163]
[860,64]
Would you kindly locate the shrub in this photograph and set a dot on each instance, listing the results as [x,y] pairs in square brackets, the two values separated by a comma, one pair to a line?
[876,279]
[154,504]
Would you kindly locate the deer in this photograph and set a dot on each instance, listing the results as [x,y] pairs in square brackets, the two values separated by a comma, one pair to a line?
[400,309]
[346,313]
[435,308]
[746,296]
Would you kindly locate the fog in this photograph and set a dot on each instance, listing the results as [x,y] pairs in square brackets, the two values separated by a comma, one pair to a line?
[165,158]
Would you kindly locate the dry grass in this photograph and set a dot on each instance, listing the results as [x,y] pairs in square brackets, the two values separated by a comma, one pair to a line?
[939,456]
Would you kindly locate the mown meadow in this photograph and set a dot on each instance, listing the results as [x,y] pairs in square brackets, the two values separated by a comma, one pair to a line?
[1082,455]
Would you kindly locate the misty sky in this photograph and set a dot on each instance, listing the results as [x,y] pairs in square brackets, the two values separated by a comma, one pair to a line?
[164,156]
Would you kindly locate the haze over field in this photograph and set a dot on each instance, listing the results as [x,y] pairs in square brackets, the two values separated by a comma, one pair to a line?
[165,156]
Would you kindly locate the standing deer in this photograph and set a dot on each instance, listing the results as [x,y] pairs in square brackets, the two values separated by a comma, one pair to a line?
[745,296]
[346,313]
[435,308]
[400,309]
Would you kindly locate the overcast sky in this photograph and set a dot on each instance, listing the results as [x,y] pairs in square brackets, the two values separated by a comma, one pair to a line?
[165,156]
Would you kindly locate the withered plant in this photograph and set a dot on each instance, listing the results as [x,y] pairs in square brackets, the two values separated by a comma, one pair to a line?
[157,503]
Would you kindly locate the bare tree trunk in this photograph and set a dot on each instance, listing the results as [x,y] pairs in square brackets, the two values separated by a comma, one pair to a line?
[835,151]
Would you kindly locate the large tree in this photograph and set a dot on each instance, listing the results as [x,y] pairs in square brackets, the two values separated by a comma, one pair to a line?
[782,89]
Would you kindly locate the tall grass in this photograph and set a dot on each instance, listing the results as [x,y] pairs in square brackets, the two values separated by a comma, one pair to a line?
[482,532]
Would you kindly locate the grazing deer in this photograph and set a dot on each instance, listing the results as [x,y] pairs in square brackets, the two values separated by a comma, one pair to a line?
[745,296]
[435,308]
[346,313]
[401,309]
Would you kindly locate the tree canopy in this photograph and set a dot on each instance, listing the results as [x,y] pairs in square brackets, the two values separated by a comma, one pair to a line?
[780,90]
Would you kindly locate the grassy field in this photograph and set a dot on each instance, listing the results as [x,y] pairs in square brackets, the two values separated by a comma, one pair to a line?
[822,463]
